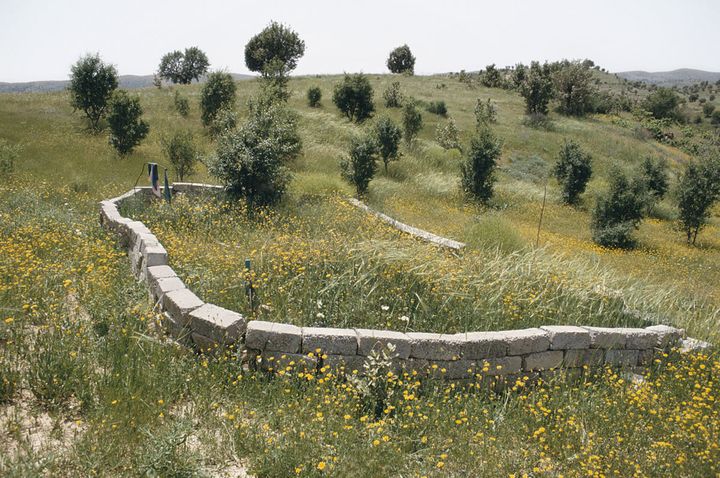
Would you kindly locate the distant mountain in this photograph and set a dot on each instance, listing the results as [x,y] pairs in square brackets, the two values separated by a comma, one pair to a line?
[126,81]
[683,76]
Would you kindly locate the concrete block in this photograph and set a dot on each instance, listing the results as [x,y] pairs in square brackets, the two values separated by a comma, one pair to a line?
[481,345]
[563,337]
[526,341]
[606,338]
[369,340]
[668,336]
[179,303]
[430,346]
[176,330]
[273,337]
[547,360]
[640,339]
[453,369]
[499,366]
[646,357]
[155,273]
[204,344]
[163,286]
[621,358]
[579,358]
[155,256]
[329,340]
[220,325]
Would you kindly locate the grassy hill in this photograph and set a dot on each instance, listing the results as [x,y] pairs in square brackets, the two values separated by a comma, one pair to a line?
[682,76]
[82,356]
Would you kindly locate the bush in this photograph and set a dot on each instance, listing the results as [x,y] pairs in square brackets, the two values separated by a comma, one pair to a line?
[697,190]
[573,83]
[478,168]
[437,107]
[537,89]
[225,120]
[217,93]
[360,166]
[654,173]
[412,121]
[387,136]
[314,95]
[708,109]
[519,75]
[447,135]
[183,68]
[251,161]
[9,154]
[182,105]
[92,83]
[485,113]
[491,77]
[618,212]
[401,60]
[354,97]
[393,96]
[715,118]
[573,171]
[663,103]
[127,130]
[180,151]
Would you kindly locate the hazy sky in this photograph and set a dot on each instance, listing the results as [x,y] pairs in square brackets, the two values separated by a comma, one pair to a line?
[40,39]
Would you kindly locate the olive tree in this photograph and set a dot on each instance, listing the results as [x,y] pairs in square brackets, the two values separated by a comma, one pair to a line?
[573,170]
[314,95]
[217,93]
[697,192]
[354,97]
[412,121]
[387,136]
[663,103]
[183,68]
[127,129]
[359,167]
[574,88]
[274,53]
[478,167]
[181,152]
[92,83]
[537,89]
[618,212]
[401,60]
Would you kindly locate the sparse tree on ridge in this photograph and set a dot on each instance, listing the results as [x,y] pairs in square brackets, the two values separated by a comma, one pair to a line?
[354,97]
[663,103]
[537,89]
[274,53]
[491,77]
[92,83]
[183,68]
[574,87]
[127,129]
[401,60]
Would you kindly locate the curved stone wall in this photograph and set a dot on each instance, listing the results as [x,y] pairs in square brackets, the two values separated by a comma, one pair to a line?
[277,346]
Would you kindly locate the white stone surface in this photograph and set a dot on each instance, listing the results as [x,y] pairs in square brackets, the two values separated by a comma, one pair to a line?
[217,323]
[369,340]
[563,337]
[329,340]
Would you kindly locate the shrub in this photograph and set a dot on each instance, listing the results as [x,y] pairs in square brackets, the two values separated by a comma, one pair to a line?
[537,89]
[183,68]
[573,171]
[412,121]
[251,161]
[9,154]
[485,113]
[354,97]
[360,165]
[314,95]
[127,130]
[478,168]
[401,60]
[437,107]
[180,151]
[182,105]
[224,120]
[654,173]
[217,93]
[663,103]
[708,109]
[574,88]
[491,77]
[387,136]
[618,212]
[447,135]
[92,83]
[697,190]
[519,75]
[393,96]
[715,118]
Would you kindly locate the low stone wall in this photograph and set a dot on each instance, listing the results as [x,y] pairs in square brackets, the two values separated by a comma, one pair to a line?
[277,346]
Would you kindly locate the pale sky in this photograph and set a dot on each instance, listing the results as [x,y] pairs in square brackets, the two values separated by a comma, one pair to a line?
[41,39]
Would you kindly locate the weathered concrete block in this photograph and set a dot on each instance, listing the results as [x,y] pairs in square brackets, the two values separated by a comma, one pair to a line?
[547,360]
[526,341]
[273,337]
[146,241]
[453,369]
[155,273]
[282,363]
[430,346]
[621,358]
[176,330]
[646,357]
[563,337]
[369,340]
[481,345]
[350,364]
[694,345]
[668,336]
[499,365]
[606,338]
[204,344]
[179,303]
[580,357]
[640,339]
[163,286]
[221,325]
[135,228]
[329,340]
[155,256]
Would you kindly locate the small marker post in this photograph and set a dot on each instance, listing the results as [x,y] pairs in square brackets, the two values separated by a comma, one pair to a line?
[249,290]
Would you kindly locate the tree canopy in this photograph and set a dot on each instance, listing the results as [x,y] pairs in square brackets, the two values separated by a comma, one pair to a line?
[92,83]
[183,68]
[401,60]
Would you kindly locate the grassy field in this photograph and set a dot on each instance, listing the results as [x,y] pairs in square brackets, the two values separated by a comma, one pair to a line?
[90,387]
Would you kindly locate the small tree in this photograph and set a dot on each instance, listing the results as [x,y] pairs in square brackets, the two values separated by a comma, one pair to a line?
[575,90]
[478,168]
[183,68]
[92,83]
[618,212]
[654,172]
[412,121]
[393,96]
[447,135]
[387,136]
[697,191]
[715,118]
[519,75]
[663,103]
[217,93]
[182,105]
[360,165]
[537,89]
[180,151]
[437,107]
[354,97]
[491,77]
[224,120]
[708,109]
[401,60]
[485,113]
[252,160]
[127,130]
[9,153]
[314,95]
[573,171]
